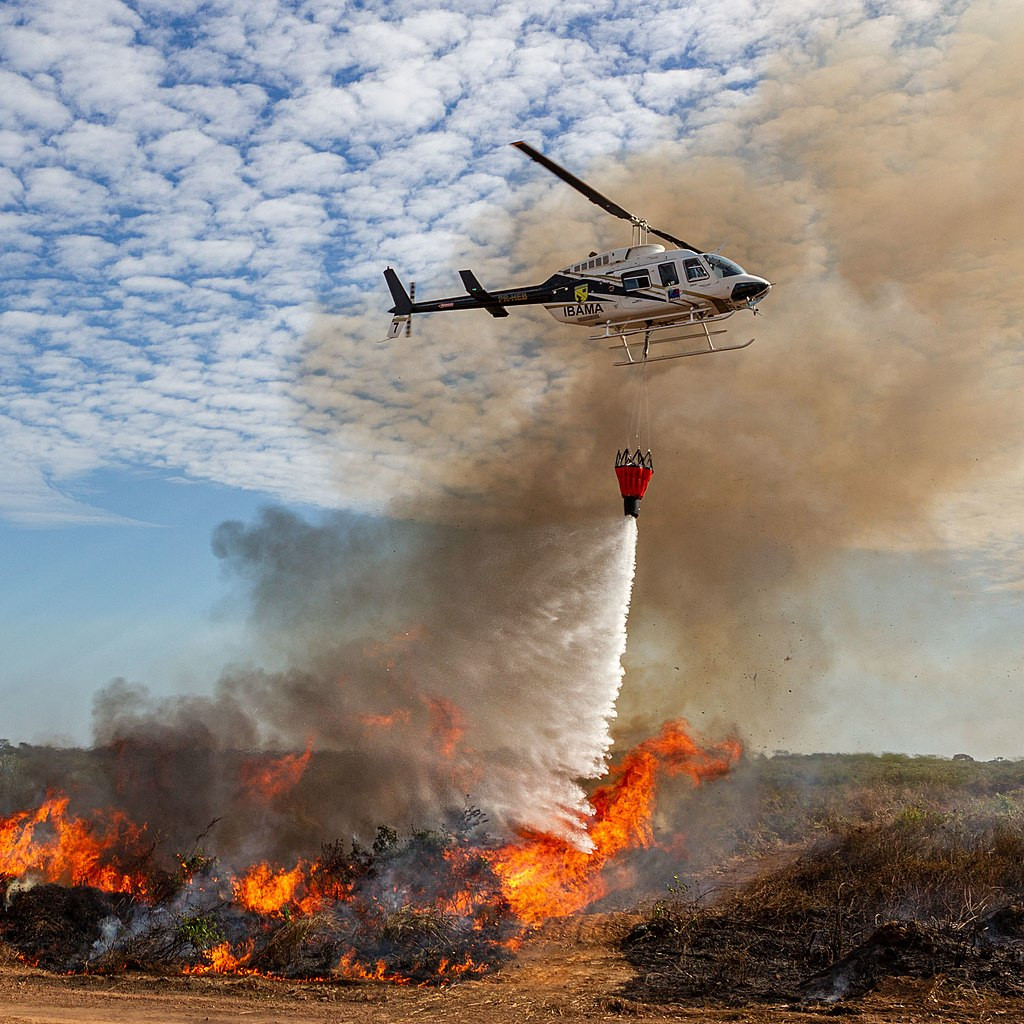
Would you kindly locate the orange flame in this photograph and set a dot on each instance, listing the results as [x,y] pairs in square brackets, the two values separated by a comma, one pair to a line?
[447,723]
[546,876]
[467,966]
[349,967]
[266,890]
[540,875]
[269,778]
[400,717]
[72,851]
[220,959]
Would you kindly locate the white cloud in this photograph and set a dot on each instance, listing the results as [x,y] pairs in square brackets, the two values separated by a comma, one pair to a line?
[227,112]
[25,322]
[187,186]
[281,167]
[212,255]
[85,254]
[20,231]
[180,149]
[149,283]
[27,105]
[55,190]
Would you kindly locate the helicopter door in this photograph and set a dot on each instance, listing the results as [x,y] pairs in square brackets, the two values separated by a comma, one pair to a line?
[669,274]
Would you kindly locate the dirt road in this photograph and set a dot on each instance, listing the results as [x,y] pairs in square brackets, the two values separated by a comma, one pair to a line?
[571,972]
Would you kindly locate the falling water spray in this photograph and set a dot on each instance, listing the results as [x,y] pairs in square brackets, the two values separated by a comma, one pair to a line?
[430,666]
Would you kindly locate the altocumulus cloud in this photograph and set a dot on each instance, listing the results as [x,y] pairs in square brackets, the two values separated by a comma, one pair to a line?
[184,187]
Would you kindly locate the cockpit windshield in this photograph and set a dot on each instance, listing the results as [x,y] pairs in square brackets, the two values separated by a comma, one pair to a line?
[723,267]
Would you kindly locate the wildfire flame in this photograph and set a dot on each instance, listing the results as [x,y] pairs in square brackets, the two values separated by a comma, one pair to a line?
[539,876]
[546,876]
[266,890]
[270,778]
[49,845]
[349,967]
[220,959]
[401,717]
[447,724]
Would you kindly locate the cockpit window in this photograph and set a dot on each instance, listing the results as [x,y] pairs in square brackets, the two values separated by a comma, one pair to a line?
[722,266]
[695,270]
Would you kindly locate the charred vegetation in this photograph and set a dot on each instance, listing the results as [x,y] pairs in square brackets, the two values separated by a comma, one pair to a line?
[872,868]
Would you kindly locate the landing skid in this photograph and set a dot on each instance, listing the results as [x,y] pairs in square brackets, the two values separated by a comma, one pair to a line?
[682,355]
[659,334]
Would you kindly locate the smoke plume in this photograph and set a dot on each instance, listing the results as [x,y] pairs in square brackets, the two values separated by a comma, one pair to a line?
[874,182]
[438,666]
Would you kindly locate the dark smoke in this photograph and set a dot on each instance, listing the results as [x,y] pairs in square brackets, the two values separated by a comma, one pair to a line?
[427,666]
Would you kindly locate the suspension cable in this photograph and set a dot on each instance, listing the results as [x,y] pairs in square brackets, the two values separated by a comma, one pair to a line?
[638,412]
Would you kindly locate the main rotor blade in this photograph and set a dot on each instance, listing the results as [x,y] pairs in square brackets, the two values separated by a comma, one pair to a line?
[673,239]
[570,179]
[594,196]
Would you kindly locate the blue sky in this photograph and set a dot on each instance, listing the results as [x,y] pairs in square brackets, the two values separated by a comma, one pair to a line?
[141,598]
[198,199]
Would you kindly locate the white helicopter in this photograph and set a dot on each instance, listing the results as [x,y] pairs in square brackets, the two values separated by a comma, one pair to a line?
[640,294]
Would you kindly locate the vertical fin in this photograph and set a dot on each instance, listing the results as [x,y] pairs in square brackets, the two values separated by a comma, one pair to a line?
[403,304]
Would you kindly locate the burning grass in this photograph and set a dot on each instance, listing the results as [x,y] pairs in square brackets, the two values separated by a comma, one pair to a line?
[436,906]
[878,867]
[421,910]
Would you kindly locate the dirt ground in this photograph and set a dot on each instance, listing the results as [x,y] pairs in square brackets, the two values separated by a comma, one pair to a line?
[570,971]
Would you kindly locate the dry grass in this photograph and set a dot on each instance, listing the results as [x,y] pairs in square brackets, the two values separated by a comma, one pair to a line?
[916,891]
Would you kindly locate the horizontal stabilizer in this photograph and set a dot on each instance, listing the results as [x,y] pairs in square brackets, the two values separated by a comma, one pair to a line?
[477,291]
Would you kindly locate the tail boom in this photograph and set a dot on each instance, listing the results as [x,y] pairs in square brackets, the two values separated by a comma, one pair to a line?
[476,297]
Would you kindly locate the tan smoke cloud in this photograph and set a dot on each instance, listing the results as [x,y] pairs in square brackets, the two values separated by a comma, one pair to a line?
[877,185]
[879,194]
[466,647]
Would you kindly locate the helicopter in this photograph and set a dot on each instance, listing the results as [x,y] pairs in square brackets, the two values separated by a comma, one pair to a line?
[639,295]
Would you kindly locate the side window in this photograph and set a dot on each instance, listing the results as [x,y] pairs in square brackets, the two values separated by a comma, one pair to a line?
[636,280]
[669,274]
[695,270]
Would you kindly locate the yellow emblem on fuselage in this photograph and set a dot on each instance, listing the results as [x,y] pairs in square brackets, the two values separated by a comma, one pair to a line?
[582,291]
